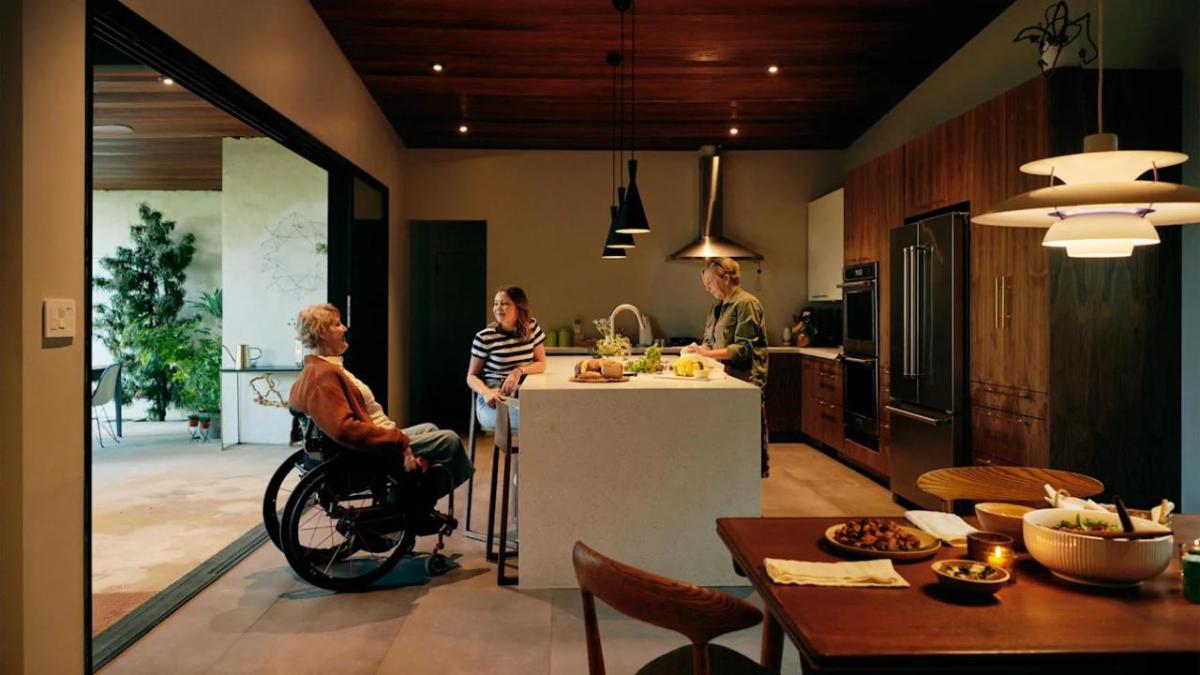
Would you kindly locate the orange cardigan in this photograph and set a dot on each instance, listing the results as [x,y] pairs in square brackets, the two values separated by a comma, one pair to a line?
[326,394]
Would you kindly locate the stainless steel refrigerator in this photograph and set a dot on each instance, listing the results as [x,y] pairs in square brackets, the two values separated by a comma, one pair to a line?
[928,351]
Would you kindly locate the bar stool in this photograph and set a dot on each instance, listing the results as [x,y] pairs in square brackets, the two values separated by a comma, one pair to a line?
[504,444]
[474,427]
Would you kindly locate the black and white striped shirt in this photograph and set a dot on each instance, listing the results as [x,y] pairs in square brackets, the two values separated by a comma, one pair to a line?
[503,352]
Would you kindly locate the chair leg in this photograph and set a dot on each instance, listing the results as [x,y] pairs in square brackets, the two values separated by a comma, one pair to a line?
[108,424]
[491,523]
[471,479]
[503,579]
[99,433]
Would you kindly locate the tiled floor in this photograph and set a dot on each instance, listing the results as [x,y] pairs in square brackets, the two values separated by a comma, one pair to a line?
[161,505]
[260,618]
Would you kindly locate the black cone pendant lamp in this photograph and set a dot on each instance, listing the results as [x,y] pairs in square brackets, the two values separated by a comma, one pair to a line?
[631,218]
[616,242]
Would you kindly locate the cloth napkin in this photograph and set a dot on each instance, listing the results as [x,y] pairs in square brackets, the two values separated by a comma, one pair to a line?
[945,526]
[1060,500]
[853,574]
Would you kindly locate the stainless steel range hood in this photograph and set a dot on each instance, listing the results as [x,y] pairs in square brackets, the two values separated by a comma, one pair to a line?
[712,243]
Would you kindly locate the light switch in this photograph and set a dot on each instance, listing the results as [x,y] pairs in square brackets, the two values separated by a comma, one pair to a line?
[58,318]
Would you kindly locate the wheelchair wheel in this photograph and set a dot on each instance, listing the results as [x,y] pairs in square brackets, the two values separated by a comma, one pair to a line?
[279,488]
[340,536]
[437,564]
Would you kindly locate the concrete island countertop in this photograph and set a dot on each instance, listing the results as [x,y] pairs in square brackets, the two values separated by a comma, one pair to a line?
[819,352]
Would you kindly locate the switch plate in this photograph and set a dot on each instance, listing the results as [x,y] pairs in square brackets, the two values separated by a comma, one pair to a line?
[58,318]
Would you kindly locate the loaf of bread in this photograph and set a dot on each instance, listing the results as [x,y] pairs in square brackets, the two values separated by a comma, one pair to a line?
[611,369]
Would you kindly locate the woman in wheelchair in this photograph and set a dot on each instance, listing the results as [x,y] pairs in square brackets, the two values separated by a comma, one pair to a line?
[388,487]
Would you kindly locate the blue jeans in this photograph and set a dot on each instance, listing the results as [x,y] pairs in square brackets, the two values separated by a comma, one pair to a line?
[486,415]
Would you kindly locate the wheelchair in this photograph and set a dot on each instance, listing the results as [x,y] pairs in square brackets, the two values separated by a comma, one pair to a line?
[344,518]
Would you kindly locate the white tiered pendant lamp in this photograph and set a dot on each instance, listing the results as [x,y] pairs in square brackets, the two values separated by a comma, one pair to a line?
[1101,209]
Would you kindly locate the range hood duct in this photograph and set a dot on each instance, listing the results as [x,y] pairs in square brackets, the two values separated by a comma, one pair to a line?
[712,243]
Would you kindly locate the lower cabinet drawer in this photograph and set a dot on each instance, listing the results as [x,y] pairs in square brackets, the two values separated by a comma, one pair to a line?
[1022,402]
[1003,438]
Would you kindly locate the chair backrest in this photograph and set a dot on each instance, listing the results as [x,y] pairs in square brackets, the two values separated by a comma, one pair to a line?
[503,431]
[106,388]
[1004,483]
[700,614]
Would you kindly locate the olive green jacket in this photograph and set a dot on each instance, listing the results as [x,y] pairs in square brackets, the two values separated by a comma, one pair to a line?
[738,324]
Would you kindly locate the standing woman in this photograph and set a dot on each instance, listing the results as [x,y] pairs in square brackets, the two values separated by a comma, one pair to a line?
[503,353]
[736,331]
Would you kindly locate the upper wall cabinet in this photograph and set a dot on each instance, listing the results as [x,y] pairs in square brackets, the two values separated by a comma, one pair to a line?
[936,168]
[825,231]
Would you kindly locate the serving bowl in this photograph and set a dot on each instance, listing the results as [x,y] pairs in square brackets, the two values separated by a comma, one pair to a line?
[941,569]
[1095,560]
[1003,518]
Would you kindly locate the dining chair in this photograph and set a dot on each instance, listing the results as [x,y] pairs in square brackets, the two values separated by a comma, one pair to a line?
[700,614]
[1003,483]
[106,390]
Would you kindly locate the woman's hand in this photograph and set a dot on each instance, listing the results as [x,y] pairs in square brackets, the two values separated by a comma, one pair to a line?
[412,462]
[698,350]
[493,397]
[511,383]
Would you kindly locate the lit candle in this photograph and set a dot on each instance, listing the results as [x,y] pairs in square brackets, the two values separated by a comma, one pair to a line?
[1001,557]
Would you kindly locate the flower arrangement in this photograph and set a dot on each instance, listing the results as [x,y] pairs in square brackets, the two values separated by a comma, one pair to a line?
[610,342]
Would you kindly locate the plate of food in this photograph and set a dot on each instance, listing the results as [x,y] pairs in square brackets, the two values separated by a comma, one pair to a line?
[970,576]
[692,368]
[876,538]
[599,371]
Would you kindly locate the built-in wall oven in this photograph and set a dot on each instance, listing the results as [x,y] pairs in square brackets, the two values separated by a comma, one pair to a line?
[860,362]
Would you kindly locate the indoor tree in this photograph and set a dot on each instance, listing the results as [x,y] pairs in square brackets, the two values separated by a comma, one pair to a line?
[140,324]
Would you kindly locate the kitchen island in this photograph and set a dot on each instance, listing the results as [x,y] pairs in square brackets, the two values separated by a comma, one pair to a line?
[639,470]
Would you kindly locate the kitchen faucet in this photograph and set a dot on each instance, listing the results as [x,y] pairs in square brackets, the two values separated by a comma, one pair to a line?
[644,335]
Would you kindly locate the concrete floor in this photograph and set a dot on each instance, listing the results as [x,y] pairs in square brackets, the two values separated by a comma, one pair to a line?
[260,618]
[161,505]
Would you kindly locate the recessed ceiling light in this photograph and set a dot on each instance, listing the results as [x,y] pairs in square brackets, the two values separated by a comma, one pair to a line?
[437,67]
[733,131]
[772,69]
[112,129]
[462,129]
[166,80]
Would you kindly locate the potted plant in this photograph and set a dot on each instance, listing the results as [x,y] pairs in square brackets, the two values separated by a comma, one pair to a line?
[198,365]
[193,420]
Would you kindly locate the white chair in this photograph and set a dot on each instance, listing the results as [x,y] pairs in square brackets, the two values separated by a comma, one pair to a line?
[106,390]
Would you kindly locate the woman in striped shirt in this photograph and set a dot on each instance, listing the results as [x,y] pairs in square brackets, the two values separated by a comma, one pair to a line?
[503,353]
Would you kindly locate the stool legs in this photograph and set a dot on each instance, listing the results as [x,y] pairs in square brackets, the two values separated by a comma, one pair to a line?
[491,523]
[501,578]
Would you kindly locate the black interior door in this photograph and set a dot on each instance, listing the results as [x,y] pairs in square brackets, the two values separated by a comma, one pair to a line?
[449,305]
[358,275]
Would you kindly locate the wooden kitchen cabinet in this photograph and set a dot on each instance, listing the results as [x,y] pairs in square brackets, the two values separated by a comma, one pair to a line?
[936,168]
[784,390]
[999,437]
[822,401]
[874,201]
[826,232]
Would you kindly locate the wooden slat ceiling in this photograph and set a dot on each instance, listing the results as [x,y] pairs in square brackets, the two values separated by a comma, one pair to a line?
[176,139]
[531,73]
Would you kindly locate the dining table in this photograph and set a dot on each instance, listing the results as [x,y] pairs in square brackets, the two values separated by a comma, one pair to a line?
[1037,623]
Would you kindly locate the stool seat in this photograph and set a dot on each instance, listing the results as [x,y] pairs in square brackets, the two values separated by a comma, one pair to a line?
[722,661]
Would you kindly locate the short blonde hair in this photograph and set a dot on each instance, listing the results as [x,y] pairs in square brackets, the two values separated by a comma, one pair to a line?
[725,268]
[313,323]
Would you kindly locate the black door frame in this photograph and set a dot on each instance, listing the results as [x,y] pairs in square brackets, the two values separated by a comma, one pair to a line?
[124,30]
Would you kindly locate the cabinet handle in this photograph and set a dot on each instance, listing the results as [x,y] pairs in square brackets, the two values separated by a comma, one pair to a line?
[1005,317]
[996,303]
[983,461]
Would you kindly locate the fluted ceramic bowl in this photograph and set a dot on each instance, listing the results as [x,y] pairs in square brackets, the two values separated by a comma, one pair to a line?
[1093,560]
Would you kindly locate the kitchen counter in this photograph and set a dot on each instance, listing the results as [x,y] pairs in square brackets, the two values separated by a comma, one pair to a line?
[640,470]
[820,352]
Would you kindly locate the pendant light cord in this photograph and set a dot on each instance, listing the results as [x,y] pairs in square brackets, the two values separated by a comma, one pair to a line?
[621,120]
[613,155]
[633,80]
[1100,78]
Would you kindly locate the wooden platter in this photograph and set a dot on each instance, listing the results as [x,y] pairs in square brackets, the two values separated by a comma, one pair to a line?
[929,546]
[602,380]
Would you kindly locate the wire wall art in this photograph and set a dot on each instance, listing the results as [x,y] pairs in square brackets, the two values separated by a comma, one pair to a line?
[294,248]
[1057,32]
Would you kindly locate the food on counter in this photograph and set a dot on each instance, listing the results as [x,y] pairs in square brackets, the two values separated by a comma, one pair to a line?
[650,362]
[598,369]
[1083,525]
[876,535]
[687,366]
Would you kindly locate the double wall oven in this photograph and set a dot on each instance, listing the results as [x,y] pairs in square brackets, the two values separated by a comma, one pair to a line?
[860,360]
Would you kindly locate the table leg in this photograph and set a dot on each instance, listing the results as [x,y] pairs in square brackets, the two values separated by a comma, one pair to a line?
[772,643]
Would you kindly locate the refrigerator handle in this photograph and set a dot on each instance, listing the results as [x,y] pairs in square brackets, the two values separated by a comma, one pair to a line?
[906,324]
[920,300]
[931,421]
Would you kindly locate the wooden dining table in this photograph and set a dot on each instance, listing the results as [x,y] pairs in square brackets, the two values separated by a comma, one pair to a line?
[1038,623]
